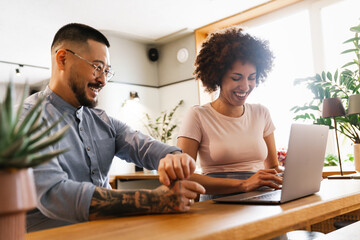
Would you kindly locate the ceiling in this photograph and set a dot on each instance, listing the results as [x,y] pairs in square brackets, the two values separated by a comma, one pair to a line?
[28,26]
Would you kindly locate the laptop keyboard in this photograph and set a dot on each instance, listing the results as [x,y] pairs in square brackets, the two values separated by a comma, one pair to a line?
[267,196]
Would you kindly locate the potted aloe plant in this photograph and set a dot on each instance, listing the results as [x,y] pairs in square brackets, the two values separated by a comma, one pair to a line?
[22,144]
[342,84]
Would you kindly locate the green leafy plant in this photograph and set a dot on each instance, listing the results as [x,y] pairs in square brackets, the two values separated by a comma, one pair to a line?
[162,128]
[333,160]
[22,142]
[340,84]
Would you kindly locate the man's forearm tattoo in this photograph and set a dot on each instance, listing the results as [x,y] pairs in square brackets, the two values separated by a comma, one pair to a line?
[108,203]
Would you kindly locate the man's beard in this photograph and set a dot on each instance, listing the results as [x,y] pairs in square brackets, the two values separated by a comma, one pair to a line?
[80,95]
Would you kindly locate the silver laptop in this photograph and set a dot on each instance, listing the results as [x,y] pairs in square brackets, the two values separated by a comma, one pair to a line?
[303,168]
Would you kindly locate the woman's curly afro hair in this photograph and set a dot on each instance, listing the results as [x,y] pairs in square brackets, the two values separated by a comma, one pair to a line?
[222,48]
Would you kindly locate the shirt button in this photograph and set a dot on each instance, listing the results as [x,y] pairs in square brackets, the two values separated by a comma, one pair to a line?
[88,149]
[80,129]
[92,172]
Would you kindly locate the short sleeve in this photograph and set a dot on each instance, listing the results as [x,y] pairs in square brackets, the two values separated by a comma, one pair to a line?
[269,125]
[191,127]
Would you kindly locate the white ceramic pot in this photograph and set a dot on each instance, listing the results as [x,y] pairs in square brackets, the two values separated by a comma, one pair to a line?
[17,196]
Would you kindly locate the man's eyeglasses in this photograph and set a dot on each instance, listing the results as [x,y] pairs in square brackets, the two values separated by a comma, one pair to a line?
[98,69]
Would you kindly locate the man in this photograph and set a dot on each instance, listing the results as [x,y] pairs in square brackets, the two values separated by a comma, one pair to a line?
[74,187]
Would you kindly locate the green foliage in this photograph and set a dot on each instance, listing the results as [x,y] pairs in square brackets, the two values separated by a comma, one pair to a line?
[350,157]
[333,160]
[340,84]
[161,128]
[21,142]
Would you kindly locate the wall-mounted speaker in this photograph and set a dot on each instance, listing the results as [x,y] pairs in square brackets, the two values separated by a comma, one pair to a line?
[153,54]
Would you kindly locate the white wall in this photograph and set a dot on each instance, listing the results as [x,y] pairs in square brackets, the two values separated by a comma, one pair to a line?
[130,62]
[169,68]
[112,99]
[113,96]
[171,95]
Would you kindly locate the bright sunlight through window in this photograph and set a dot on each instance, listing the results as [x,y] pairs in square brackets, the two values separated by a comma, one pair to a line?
[306,39]
[290,41]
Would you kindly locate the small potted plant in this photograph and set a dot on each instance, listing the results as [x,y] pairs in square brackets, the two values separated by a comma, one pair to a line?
[22,144]
[162,127]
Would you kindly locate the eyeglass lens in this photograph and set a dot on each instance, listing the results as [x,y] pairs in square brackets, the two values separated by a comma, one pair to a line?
[99,70]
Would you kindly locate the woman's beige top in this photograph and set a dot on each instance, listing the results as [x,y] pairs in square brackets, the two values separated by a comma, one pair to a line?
[229,144]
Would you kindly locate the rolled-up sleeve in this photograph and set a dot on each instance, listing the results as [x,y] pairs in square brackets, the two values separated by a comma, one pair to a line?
[60,197]
[136,147]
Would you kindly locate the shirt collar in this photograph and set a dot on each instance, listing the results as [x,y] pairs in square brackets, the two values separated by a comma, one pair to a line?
[61,104]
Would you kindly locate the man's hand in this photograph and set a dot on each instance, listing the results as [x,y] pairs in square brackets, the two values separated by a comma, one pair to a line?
[177,166]
[178,197]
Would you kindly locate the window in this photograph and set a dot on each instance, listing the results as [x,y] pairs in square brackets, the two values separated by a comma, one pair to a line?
[306,38]
[337,19]
[289,38]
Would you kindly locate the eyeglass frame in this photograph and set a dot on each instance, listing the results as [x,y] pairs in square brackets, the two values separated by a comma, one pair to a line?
[97,68]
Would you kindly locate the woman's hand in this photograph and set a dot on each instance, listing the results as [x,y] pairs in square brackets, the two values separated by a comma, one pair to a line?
[264,177]
[279,169]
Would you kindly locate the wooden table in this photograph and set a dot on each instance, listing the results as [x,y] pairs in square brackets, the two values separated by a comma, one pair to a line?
[209,220]
[335,170]
[144,180]
[136,175]
[327,171]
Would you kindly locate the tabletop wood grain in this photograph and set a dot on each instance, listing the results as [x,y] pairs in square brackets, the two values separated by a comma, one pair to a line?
[209,220]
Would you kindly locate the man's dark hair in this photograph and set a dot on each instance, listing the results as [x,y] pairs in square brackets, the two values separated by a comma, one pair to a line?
[78,33]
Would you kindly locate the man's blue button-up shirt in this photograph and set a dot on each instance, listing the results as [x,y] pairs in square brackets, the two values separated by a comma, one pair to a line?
[65,184]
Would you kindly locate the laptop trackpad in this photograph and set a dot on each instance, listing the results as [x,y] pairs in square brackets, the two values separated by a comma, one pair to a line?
[249,197]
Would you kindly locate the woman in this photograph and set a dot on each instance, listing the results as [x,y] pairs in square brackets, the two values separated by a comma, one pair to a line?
[234,140]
